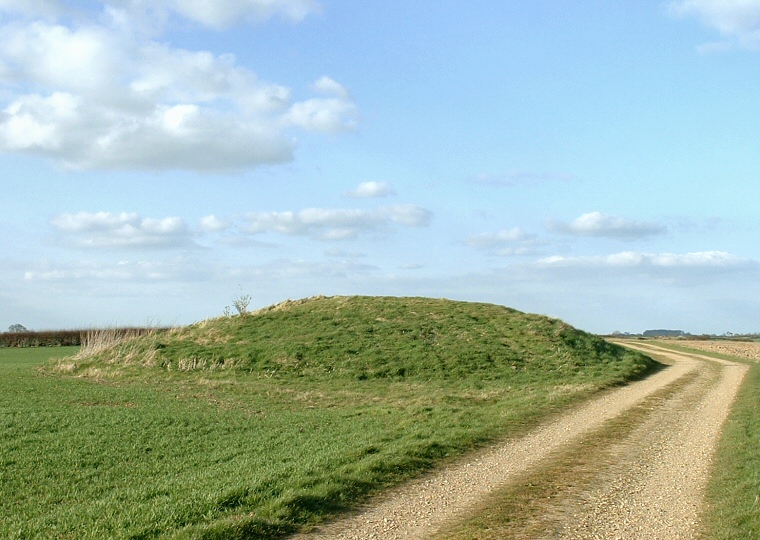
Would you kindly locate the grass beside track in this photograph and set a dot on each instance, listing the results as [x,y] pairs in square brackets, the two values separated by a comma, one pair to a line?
[257,426]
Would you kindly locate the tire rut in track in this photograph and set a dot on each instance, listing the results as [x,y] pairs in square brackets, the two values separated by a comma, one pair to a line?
[630,464]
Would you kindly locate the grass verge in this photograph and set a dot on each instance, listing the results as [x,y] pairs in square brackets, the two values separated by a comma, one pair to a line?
[256,426]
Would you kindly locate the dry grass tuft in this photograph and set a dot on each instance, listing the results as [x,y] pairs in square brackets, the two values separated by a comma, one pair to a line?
[96,342]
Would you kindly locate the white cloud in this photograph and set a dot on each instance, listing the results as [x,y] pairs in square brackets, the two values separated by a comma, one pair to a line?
[407,215]
[326,85]
[211,223]
[597,224]
[85,59]
[325,115]
[738,20]
[369,190]
[336,224]
[123,230]
[94,96]
[505,242]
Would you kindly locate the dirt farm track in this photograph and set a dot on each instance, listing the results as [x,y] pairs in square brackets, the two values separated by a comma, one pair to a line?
[630,464]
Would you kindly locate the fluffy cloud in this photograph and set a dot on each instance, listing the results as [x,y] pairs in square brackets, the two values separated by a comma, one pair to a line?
[336,224]
[326,85]
[505,242]
[123,230]
[101,95]
[331,114]
[369,190]
[738,20]
[212,223]
[601,225]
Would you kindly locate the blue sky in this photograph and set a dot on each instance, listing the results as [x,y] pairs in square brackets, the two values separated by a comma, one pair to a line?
[592,161]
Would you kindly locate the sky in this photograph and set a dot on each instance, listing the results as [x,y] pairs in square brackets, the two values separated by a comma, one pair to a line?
[593,161]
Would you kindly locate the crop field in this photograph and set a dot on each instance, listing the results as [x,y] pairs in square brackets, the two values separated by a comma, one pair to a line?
[260,425]
[747,350]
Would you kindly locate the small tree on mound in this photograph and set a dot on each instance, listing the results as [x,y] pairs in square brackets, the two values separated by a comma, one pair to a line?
[17,328]
[241,303]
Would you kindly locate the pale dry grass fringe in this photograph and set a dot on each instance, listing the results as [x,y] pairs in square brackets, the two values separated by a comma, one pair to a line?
[115,347]
[96,342]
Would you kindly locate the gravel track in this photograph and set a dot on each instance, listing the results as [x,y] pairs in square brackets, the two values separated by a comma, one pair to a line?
[652,491]
[655,489]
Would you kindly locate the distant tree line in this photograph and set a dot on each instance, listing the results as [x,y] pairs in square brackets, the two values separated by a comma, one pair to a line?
[56,338]
[664,333]
[686,335]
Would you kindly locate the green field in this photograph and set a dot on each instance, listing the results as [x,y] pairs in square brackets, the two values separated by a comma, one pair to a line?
[260,425]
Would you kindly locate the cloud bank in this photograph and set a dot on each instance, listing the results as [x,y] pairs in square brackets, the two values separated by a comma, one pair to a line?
[104,94]
[336,224]
[631,259]
[124,230]
[697,269]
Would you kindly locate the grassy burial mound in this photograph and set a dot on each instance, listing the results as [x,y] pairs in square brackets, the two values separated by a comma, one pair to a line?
[258,425]
[375,338]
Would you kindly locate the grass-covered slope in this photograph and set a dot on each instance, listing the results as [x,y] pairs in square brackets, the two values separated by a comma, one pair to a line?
[255,426]
[379,337]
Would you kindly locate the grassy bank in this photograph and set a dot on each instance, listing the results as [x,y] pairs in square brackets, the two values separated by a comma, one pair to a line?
[255,426]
